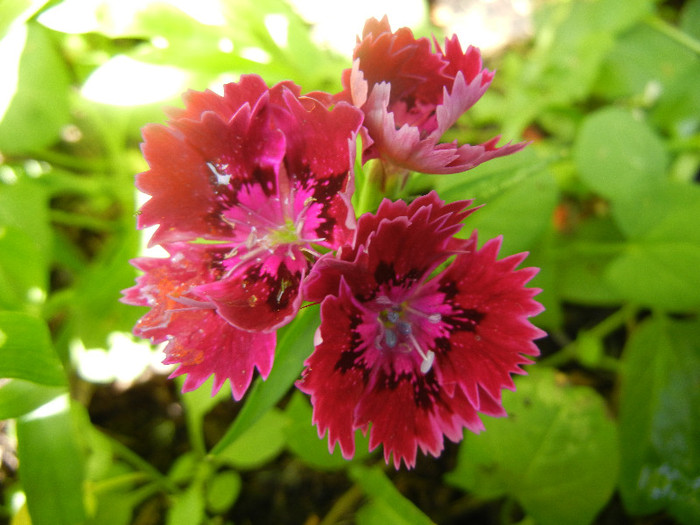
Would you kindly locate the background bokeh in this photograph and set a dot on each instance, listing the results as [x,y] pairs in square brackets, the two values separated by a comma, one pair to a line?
[606,200]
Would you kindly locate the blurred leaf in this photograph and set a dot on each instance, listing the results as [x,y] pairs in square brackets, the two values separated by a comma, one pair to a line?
[95,307]
[615,151]
[23,270]
[259,444]
[222,491]
[690,18]
[486,181]
[27,352]
[659,414]
[17,11]
[521,214]
[18,397]
[302,438]
[665,211]
[556,452]
[572,40]
[657,72]
[188,507]
[295,344]
[659,274]
[24,206]
[197,403]
[184,467]
[582,260]
[658,267]
[387,501]
[50,465]
[40,106]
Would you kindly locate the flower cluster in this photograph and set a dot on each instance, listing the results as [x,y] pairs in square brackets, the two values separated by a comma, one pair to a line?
[251,193]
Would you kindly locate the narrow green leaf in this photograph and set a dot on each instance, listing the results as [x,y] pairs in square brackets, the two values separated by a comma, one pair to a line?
[659,414]
[18,397]
[395,506]
[27,352]
[556,452]
[294,346]
[50,465]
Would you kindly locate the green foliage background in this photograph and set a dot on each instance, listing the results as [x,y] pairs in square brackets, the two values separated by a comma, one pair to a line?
[606,200]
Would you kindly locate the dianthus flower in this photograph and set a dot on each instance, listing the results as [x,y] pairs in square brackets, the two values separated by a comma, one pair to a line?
[200,341]
[265,173]
[410,353]
[411,95]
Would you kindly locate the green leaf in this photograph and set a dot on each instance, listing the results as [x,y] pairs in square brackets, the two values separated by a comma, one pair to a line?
[17,11]
[302,438]
[582,261]
[19,397]
[659,275]
[188,507]
[23,270]
[659,266]
[657,73]
[521,214]
[487,181]
[27,352]
[223,490]
[50,465]
[40,106]
[24,206]
[690,18]
[386,498]
[659,415]
[294,346]
[259,444]
[615,151]
[556,452]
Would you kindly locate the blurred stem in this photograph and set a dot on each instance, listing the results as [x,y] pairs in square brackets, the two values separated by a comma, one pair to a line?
[343,505]
[371,190]
[674,33]
[125,481]
[138,462]
[81,221]
[599,331]
[71,162]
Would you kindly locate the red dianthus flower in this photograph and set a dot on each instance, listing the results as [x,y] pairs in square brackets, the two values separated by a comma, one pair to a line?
[409,355]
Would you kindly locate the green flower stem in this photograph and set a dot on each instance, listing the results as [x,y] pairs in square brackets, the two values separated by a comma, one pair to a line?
[124,481]
[370,192]
[72,162]
[674,33]
[608,325]
[138,462]
[343,506]
[81,221]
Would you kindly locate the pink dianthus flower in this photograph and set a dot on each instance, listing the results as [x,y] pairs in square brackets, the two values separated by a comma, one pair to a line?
[411,95]
[266,173]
